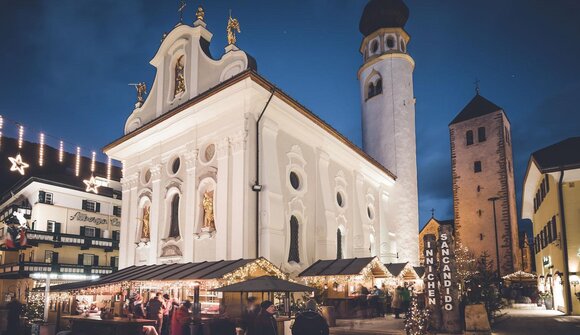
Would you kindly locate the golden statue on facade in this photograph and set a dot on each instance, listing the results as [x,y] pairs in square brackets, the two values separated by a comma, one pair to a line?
[233,26]
[141,91]
[145,229]
[179,77]
[200,13]
[208,214]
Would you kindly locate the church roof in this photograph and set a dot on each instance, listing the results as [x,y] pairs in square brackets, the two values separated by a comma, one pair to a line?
[383,14]
[562,155]
[478,106]
[250,73]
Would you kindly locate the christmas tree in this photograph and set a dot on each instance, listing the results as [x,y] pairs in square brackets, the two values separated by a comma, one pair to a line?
[416,320]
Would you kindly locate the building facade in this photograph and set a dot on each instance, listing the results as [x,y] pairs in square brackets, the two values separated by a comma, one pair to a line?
[484,197]
[221,164]
[51,226]
[551,199]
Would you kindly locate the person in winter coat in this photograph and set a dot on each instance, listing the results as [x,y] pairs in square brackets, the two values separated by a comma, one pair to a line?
[222,325]
[180,319]
[397,302]
[310,322]
[265,323]
[249,316]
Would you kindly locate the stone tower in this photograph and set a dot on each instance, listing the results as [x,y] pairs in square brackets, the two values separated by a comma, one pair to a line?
[483,183]
[388,119]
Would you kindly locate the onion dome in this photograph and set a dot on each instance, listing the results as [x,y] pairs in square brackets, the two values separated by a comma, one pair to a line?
[383,14]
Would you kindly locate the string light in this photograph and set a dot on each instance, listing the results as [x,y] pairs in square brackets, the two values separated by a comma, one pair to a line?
[41,150]
[20,136]
[93,156]
[78,162]
[1,126]
[108,168]
[60,151]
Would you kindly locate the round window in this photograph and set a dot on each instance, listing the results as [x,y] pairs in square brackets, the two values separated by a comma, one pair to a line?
[390,42]
[374,46]
[294,180]
[209,152]
[370,212]
[175,165]
[147,176]
[339,199]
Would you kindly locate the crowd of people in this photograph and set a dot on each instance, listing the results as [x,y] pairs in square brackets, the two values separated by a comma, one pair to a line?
[171,316]
[377,302]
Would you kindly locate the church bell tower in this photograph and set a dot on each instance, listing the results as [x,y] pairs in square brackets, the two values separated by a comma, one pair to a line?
[388,119]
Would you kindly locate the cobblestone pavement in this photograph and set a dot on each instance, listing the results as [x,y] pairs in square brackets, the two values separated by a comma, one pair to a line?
[531,322]
[388,325]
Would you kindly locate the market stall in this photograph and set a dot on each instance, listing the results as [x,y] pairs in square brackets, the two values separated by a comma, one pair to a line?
[346,284]
[183,281]
[404,275]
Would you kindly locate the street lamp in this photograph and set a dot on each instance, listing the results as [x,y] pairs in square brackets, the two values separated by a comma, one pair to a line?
[493,200]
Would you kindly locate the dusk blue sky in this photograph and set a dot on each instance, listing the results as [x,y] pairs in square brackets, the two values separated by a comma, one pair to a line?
[65,66]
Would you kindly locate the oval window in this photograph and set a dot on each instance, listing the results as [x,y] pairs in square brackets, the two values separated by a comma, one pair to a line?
[370,212]
[147,176]
[175,165]
[294,180]
[339,199]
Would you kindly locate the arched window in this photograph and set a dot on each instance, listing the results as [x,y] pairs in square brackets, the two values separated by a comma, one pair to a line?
[379,87]
[390,42]
[174,218]
[469,137]
[294,255]
[371,92]
[481,134]
[338,244]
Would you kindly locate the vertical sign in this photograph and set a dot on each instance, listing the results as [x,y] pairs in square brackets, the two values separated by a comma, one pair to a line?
[448,274]
[431,280]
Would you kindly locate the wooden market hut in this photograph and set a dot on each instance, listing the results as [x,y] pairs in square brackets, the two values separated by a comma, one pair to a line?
[181,280]
[340,280]
[404,273]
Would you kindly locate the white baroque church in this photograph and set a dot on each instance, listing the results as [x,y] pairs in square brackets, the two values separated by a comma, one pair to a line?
[221,164]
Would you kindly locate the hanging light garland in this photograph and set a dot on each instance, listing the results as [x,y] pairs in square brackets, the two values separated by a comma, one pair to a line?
[1,126]
[78,162]
[41,150]
[17,163]
[60,151]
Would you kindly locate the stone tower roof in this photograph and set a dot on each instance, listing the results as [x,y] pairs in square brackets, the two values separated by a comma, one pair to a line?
[478,106]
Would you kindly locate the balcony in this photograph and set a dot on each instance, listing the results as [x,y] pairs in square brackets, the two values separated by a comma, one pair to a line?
[58,240]
[24,269]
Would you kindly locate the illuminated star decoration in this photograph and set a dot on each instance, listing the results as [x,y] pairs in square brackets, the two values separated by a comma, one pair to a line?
[18,164]
[91,185]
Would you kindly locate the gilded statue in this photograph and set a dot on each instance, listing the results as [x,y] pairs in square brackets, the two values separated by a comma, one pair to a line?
[233,26]
[141,91]
[145,229]
[200,13]
[208,214]
[179,77]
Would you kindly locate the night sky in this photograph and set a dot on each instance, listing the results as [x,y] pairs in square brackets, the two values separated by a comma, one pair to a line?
[65,67]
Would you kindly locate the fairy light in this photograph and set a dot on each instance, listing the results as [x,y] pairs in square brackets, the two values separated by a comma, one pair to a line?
[93,156]
[1,126]
[109,168]
[20,136]
[78,162]
[60,151]
[41,150]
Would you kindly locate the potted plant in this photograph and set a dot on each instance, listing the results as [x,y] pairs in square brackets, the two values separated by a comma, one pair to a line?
[547,298]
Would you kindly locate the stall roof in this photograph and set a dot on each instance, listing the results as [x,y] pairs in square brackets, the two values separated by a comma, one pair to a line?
[343,267]
[403,269]
[175,271]
[265,284]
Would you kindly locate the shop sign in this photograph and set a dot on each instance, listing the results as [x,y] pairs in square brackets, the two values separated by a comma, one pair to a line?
[547,261]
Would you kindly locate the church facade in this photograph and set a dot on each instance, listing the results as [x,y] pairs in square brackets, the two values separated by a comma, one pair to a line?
[221,164]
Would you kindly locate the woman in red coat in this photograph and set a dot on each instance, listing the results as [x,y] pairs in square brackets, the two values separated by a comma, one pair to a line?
[180,319]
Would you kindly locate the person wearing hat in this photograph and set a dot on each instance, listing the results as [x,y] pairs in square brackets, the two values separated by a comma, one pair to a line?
[310,322]
[265,323]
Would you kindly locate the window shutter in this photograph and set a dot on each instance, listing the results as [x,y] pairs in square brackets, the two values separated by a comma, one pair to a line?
[97,232]
[115,235]
[97,207]
[82,231]
[95,260]
[41,196]
[80,259]
[55,258]
[84,205]
[57,227]
[554,229]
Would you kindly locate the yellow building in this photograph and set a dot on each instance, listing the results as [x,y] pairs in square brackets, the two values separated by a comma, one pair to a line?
[551,199]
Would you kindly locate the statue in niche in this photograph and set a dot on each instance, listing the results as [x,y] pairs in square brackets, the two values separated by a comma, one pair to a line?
[208,214]
[145,230]
[179,77]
